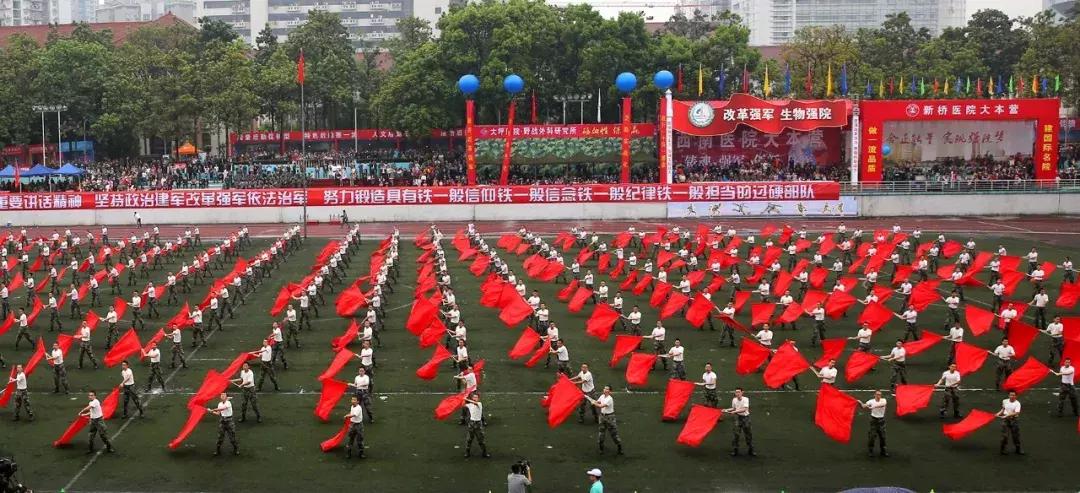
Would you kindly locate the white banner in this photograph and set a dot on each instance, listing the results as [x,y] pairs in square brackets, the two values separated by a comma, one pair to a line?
[842,207]
[927,141]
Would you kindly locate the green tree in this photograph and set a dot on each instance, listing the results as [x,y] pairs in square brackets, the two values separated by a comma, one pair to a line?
[20,63]
[331,73]
[818,49]
[1000,41]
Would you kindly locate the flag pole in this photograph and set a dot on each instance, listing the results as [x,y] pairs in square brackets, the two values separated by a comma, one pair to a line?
[303,142]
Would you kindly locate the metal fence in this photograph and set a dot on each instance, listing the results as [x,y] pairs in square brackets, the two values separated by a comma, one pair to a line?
[961,187]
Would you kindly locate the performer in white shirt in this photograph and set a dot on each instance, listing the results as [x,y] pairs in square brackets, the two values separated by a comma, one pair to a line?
[740,407]
[1010,423]
[97,423]
[877,407]
[1067,391]
[950,382]
[708,382]
[246,382]
[226,427]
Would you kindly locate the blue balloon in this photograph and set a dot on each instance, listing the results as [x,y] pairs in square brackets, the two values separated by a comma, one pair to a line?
[626,82]
[886,150]
[468,84]
[513,84]
[663,80]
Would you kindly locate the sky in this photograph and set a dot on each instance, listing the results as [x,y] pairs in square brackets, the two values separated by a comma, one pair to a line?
[1014,8]
[662,9]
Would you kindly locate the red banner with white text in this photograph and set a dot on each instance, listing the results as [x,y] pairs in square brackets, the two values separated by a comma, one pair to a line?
[705,118]
[513,194]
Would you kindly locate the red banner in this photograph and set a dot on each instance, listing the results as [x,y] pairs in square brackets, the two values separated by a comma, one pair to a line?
[823,146]
[1043,112]
[627,122]
[470,141]
[516,194]
[705,118]
[504,174]
[661,141]
[313,136]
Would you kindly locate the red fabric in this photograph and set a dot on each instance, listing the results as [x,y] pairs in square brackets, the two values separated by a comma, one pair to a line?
[603,262]
[859,364]
[791,314]
[1026,376]
[563,398]
[924,294]
[782,283]
[480,265]
[817,277]
[565,293]
[676,396]
[911,398]
[740,300]
[534,264]
[699,310]
[341,359]
[335,441]
[577,302]
[761,313]
[551,271]
[182,319]
[8,323]
[157,337]
[830,349]
[624,345]
[524,344]
[978,320]
[432,334]
[642,284]
[674,303]
[119,306]
[350,334]
[751,356]
[350,301]
[838,303]
[630,280]
[72,430]
[491,293]
[1011,279]
[834,413]
[875,315]
[660,293]
[637,370]
[812,298]
[975,419]
[515,311]
[969,358]
[539,354]
[212,385]
[786,363]
[928,340]
[1068,295]
[331,393]
[35,359]
[195,414]
[127,345]
[236,364]
[700,421]
[431,369]
[423,312]
[283,298]
[601,321]
[451,403]
[1021,335]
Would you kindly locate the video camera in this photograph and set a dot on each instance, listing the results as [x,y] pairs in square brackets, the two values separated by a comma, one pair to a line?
[8,483]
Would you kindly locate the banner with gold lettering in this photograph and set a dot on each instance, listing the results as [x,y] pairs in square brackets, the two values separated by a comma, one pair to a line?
[470,141]
[624,174]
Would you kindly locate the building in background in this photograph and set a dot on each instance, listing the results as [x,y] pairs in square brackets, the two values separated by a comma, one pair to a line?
[1065,9]
[24,12]
[143,10]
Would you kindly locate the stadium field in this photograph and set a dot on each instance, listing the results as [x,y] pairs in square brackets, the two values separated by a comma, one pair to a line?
[409,451]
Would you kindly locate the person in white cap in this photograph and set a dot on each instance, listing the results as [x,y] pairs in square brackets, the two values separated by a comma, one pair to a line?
[594,476]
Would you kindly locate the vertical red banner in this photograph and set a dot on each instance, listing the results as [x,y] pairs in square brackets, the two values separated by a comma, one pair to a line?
[1046,147]
[626,128]
[470,141]
[661,139]
[504,175]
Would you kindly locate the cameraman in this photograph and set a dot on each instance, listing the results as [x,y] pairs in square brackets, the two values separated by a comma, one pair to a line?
[520,478]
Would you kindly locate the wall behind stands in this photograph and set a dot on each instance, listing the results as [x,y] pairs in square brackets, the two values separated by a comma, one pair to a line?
[869,206]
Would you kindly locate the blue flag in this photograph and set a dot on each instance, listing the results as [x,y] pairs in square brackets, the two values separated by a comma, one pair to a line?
[1000,89]
[869,89]
[913,89]
[843,80]
[959,86]
[787,80]
[721,83]
[1045,83]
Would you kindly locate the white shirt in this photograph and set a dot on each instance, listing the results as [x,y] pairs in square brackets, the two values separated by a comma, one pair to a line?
[20,381]
[676,353]
[1041,300]
[356,414]
[247,378]
[950,378]
[1005,352]
[607,404]
[476,411]
[956,333]
[225,408]
[828,375]
[741,405]
[562,354]
[1055,329]
[154,355]
[877,407]
[1067,375]
[266,354]
[634,317]
[586,378]
[658,334]
[127,376]
[898,354]
[366,356]
[864,335]
[58,356]
[95,409]
[709,379]
[765,337]
[1010,407]
[362,382]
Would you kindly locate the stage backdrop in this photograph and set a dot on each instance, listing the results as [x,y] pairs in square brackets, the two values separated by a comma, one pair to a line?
[928,141]
[821,146]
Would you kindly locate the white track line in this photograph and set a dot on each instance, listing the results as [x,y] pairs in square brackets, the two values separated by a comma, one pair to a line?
[623,391]
[1005,226]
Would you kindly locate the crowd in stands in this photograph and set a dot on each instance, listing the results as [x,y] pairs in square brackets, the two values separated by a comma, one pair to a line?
[958,171]
[761,169]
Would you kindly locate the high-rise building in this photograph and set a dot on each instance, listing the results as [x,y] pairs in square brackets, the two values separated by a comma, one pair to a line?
[1065,9]
[24,12]
[774,22]
[368,21]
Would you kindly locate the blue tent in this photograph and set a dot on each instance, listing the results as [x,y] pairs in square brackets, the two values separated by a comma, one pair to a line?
[39,170]
[8,172]
[70,170]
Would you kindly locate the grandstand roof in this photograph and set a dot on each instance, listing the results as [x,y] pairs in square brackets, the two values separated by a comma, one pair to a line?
[120,30]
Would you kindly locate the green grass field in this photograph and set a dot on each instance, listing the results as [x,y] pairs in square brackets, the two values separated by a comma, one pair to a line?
[408,450]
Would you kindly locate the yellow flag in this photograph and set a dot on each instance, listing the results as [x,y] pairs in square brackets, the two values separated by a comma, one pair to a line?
[1035,85]
[946,91]
[828,83]
[768,85]
[881,89]
[700,81]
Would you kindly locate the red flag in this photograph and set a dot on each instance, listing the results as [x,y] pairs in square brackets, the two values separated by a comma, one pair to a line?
[541,351]
[969,358]
[699,310]
[213,384]
[1021,335]
[700,421]
[577,302]
[875,315]
[924,294]
[236,364]
[928,340]
[565,293]
[792,313]
[431,369]
[637,370]
[480,265]
[431,335]
[838,303]
[1068,295]
[660,293]
[300,69]
[785,365]
[332,390]
[831,349]
[911,398]
[751,356]
[630,280]
[834,413]
[451,403]
[195,414]
[563,398]
[341,359]
[127,345]
[350,301]
[761,313]
[524,344]
[859,364]
[676,396]
[120,307]
[741,297]
[624,345]
[339,343]
[674,303]
[335,441]
[182,319]
[283,297]
[1026,376]
[515,311]
[423,312]
[975,419]
[8,323]
[601,321]
[978,320]
[108,408]
[642,284]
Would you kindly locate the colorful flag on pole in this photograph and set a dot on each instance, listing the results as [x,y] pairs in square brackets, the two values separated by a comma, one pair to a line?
[787,80]
[767,86]
[300,68]
[700,81]
[679,79]
[843,80]
[808,83]
[828,83]
[881,88]
[745,80]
